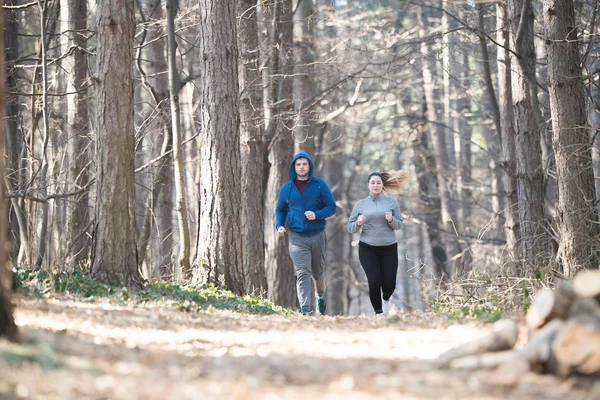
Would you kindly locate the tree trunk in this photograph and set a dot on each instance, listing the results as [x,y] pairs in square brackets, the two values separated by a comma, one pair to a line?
[535,238]
[8,328]
[337,234]
[508,135]
[14,143]
[280,270]
[429,196]
[304,82]
[178,169]
[251,149]
[448,208]
[493,137]
[78,147]
[219,259]
[43,173]
[155,251]
[114,249]
[577,216]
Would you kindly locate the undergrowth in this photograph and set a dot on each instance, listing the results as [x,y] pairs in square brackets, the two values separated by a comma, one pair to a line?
[488,298]
[189,297]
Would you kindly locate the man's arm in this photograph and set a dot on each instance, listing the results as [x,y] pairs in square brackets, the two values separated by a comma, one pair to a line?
[329,207]
[281,209]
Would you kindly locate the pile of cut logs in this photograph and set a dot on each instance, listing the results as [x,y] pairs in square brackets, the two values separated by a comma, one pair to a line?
[562,335]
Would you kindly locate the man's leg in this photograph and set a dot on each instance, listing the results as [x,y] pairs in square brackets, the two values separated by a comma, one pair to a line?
[299,248]
[318,261]
[318,264]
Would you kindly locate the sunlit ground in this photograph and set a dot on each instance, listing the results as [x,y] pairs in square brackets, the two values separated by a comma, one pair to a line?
[109,351]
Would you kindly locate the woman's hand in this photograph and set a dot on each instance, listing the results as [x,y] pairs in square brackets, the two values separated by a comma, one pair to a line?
[360,220]
[388,216]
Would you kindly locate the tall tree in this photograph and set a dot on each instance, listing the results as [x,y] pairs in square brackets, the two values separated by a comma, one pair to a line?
[508,135]
[14,140]
[219,259]
[251,148]
[438,140]
[579,231]
[178,170]
[535,238]
[78,131]
[278,76]
[114,249]
[304,77]
[7,322]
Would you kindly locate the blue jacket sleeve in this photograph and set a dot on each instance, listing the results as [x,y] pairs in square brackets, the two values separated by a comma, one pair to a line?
[329,203]
[281,209]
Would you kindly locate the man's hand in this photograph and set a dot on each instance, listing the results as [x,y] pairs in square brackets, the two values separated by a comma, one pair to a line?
[310,215]
[360,220]
[281,231]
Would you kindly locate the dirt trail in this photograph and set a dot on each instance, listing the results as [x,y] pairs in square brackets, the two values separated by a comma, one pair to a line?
[107,351]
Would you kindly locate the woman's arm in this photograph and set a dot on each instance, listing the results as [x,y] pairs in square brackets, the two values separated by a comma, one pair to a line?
[396,222]
[352,225]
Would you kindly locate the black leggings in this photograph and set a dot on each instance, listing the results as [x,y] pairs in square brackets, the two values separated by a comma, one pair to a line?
[381,265]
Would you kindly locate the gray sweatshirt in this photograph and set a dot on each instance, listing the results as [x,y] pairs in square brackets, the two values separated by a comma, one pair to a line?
[376,230]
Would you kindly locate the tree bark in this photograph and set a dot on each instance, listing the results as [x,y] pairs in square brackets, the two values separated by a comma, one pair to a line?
[14,143]
[304,83]
[535,238]
[178,168]
[280,270]
[8,328]
[577,216]
[508,135]
[438,139]
[219,259]
[78,147]
[114,251]
[251,150]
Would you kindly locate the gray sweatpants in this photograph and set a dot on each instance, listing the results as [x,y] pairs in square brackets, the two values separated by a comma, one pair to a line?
[308,255]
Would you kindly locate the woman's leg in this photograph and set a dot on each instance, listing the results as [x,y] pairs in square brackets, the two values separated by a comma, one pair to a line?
[389,269]
[370,261]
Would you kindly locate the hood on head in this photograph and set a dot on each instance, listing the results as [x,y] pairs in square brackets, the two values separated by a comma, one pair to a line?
[292,170]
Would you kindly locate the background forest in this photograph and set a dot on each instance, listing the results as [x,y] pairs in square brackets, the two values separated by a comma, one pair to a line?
[148,139]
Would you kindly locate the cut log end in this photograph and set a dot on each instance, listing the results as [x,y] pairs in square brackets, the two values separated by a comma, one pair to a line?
[587,283]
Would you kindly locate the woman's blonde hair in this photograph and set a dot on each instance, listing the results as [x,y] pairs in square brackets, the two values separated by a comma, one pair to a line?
[393,181]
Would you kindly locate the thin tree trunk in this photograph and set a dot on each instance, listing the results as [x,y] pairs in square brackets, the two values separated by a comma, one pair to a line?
[8,328]
[429,197]
[252,149]
[337,234]
[508,135]
[304,73]
[219,258]
[178,170]
[115,251]
[578,219]
[14,143]
[154,252]
[43,176]
[493,138]
[449,215]
[280,270]
[78,147]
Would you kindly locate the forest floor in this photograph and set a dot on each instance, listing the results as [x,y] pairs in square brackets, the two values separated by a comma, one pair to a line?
[79,349]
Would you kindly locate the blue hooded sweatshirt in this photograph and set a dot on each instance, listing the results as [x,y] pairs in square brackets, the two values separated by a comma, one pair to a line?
[316,197]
